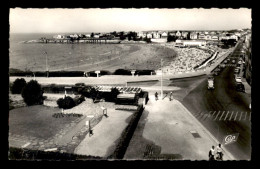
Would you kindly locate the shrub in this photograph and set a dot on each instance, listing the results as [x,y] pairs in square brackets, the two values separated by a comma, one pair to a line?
[85,91]
[32,93]
[122,72]
[79,99]
[18,86]
[114,93]
[66,103]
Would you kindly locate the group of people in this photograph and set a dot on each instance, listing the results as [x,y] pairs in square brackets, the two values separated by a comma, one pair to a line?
[216,154]
[156,96]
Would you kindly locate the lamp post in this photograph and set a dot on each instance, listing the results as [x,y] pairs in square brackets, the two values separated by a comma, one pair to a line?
[161,80]
[47,71]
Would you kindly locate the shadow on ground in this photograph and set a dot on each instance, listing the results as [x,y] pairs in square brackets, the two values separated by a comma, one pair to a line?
[141,148]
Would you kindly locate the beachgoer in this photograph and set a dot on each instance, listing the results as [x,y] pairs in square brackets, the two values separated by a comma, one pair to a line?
[156,96]
[219,152]
[212,154]
[170,98]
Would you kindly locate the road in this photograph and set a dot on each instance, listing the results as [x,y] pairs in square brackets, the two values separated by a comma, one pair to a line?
[223,110]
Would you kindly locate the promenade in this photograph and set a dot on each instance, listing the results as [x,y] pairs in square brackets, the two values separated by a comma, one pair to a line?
[120,79]
[170,130]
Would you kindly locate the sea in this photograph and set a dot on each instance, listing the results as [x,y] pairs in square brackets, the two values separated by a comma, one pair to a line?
[33,56]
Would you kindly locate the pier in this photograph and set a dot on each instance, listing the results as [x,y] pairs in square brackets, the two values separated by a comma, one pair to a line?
[85,40]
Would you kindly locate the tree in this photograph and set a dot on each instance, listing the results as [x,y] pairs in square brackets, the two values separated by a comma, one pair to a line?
[148,40]
[129,36]
[122,37]
[32,93]
[17,86]
[93,93]
[66,103]
[114,93]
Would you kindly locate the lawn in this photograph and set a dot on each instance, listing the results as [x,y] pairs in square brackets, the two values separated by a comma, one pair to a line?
[37,121]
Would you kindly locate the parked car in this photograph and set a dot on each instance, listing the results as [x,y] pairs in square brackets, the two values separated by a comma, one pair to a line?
[210,82]
[236,70]
[216,73]
[222,65]
[240,87]
[225,61]
[233,61]
[217,70]
[238,79]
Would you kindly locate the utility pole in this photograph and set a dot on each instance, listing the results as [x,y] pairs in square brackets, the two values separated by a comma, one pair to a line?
[47,71]
[161,80]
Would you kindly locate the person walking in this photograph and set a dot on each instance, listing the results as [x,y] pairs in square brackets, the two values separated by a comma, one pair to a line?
[212,154]
[156,96]
[219,152]
[170,98]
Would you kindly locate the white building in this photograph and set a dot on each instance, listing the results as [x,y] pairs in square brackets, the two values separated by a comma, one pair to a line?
[148,35]
[207,37]
[88,35]
[178,34]
[184,34]
[164,35]
[214,37]
[159,40]
[201,36]
[193,35]
[183,43]
[140,34]
[58,36]
[156,35]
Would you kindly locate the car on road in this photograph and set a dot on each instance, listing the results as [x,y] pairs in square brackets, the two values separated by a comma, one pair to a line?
[222,65]
[216,73]
[210,82]
[236,70]
[238,79]
[240,87]
[239,62]
[217,70]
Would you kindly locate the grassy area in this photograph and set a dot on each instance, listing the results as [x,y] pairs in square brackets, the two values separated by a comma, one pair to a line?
[37,121]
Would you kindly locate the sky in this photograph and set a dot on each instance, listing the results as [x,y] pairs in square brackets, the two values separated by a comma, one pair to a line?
[33,20]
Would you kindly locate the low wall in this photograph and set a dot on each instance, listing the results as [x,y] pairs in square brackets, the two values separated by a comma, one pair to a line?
[127,135]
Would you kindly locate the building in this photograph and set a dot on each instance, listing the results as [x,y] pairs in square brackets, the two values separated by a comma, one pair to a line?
[164,35]
[96,36]
[184,35]
[185,43]
[214,37]
[248,59]
[207,37]
[178,34]
[201,36]
[58,37]
[149,35]
[172,33]
[140,34]
[156,35]
[88,35]
[193,35]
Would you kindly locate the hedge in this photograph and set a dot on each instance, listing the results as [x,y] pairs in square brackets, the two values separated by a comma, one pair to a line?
[26,154]
[17,72]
